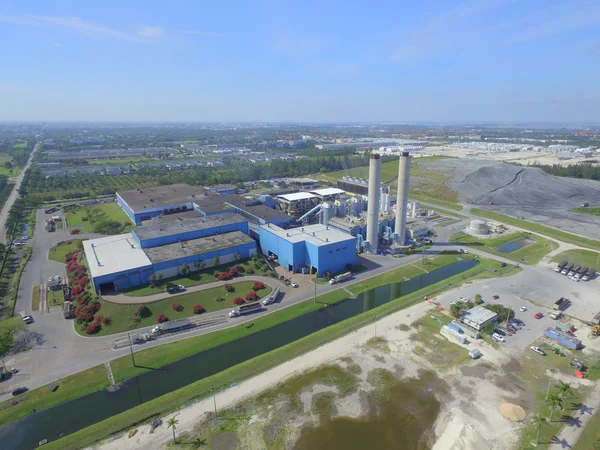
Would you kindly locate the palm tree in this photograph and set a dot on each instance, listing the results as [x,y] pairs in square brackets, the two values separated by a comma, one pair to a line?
[563,389]
[172,423]
[553,401]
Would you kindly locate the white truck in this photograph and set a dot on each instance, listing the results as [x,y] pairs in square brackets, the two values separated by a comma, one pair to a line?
[170,325]
[271,298]
[340,278]
[245,309]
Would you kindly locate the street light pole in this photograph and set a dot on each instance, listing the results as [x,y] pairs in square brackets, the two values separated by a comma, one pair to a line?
[131,350]
[315,297]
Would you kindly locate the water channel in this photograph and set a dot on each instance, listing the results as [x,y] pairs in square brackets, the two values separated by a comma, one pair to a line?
[74,415]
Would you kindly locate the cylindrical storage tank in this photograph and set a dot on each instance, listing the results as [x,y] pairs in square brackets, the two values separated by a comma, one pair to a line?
[326,213]
[402,198]
[373,205]
[478,226]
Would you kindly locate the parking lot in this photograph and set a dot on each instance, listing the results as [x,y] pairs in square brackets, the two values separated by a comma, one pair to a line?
[537,290]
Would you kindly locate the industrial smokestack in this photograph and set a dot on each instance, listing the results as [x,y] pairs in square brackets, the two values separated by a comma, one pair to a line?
[402,199]
[326,213]
[373,206]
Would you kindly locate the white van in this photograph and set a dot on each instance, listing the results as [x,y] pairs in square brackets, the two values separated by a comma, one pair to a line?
[497,337]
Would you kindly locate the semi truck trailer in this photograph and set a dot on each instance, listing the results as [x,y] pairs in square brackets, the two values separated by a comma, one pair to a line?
[245,309]
[561,303]
[170,325]
[340,278]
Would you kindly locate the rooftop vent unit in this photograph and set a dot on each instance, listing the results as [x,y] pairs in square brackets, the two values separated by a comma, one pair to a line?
[326,239]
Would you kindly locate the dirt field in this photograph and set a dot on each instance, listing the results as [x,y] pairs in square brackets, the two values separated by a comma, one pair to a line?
[468,393]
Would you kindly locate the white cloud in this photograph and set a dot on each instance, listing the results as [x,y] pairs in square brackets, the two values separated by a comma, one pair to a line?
[561,22]
[73,23]
[204,33]
[148,32]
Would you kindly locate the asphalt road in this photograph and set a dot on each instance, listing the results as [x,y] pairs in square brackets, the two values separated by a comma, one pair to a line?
[13,196]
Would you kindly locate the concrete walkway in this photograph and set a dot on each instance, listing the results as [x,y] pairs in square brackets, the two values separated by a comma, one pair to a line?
[574,425]
[132,300]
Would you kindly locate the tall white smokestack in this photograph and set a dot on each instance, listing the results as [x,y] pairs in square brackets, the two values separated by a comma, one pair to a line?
[402,199]
[373,206]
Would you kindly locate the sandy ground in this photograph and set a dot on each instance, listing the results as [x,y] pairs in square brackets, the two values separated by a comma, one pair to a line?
[470,417]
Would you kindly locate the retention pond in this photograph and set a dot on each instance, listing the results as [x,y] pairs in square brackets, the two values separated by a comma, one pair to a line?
[77,414]
[513,246]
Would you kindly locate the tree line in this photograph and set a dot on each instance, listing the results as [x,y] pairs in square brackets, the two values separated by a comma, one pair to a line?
[585,171]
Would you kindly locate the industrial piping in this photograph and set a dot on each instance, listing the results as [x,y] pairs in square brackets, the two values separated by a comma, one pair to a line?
[402,198]
[373,205]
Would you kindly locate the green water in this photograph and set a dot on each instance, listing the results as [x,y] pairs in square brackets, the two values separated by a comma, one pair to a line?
[401,415]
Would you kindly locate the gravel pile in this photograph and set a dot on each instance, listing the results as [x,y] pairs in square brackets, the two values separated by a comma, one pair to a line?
[523,191]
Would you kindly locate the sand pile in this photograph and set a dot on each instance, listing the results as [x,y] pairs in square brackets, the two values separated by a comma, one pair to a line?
[512,412]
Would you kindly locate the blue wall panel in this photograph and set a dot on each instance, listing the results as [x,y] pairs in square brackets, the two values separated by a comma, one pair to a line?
[125,207]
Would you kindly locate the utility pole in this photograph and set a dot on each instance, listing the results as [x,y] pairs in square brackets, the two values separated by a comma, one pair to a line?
[215,402]
[131,350]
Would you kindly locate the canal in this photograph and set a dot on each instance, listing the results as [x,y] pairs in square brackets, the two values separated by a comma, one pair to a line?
[76,414]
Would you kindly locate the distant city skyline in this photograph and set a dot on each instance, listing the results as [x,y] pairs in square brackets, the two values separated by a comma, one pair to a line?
[469,62]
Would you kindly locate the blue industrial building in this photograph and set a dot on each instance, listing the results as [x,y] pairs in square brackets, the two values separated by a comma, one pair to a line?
[128,260]
[182,224]
[315,248]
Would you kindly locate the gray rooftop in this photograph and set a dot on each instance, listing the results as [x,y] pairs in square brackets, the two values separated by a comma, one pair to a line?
[175,217]
[196,246]
[479,314]
[184,226]
[158,196]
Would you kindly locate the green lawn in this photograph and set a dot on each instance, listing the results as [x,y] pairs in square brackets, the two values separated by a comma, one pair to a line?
[530,254]
[593,211]
[197,277]
[59,252]
[85,218]
[585,258]
[159,356]
[16,170]
[55,298]
[535,227]
[35,298]
[122,316]
[590,437]
[73,386]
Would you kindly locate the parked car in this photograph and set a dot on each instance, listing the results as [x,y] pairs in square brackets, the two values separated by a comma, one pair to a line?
[503,264]
[500,332]
[294,284]
[538,350]
[496,297]
[19,391]
[19,244]
[28,319]
[510,330]
[539,315]
[523,309]
[498,338]
[463,299]
[175,289]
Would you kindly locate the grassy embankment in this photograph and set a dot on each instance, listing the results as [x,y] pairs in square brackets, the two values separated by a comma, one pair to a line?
[593,211]
[433,191]
[122,368]
[60,251]
[562,236]
[530,254]
[584,258]
[198,277]
[84,218]
[214,299]
[35,298]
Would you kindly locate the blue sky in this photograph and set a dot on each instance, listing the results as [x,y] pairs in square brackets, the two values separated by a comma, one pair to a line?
[401,61]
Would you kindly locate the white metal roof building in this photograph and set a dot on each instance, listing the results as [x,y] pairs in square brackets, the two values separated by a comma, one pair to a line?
[478,316]
[298,204]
